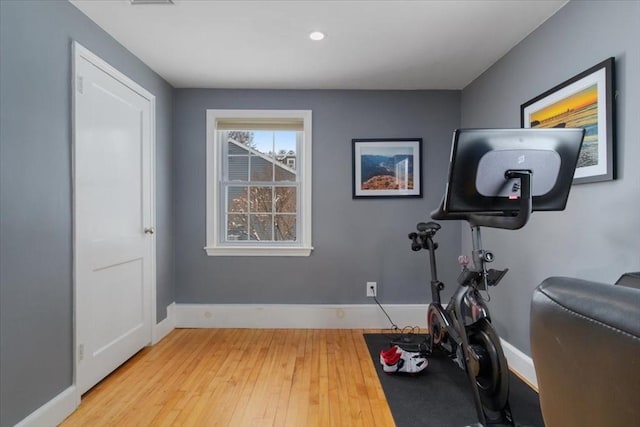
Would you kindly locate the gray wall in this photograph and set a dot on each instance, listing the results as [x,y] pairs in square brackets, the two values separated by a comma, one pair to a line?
[36,302]
[354,240]
[598,235]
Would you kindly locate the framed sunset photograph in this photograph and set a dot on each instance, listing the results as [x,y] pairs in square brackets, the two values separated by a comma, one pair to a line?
[584,101]
[387,168]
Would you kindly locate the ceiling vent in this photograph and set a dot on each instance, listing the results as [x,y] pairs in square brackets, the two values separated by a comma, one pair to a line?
[137,2]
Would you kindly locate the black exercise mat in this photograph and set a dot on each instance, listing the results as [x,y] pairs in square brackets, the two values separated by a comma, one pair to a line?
[440,395]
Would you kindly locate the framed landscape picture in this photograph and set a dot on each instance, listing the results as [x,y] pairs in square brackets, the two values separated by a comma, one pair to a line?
[387,167]
[584,101]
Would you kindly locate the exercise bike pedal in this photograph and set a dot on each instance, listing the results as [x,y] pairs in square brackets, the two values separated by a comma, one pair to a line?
[458,358]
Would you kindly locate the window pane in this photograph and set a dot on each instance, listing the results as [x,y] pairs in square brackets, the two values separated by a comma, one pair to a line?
[284,173]
[241,137]
[237,227]
[261,199]
[261,228]
[286,199]
[238,168]
[261,169]
[234,148]
[285,228]
[263,142]
[237,199]
[285,146]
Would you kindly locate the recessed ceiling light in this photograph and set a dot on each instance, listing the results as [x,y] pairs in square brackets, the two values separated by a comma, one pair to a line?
[316,35]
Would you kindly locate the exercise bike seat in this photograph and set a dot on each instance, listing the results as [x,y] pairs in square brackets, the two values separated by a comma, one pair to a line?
[429,227]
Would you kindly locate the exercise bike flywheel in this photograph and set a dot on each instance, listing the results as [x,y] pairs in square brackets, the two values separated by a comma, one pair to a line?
[492,376]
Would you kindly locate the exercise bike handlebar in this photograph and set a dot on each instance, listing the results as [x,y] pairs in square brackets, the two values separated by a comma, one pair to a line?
[503,219]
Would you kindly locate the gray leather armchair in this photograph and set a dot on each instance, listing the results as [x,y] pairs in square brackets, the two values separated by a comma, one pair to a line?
[585,345]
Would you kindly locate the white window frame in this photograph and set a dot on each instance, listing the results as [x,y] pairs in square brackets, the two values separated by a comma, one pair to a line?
[215,244]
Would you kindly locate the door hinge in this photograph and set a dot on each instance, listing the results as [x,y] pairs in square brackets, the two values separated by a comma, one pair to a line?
[80,84]
[80,352]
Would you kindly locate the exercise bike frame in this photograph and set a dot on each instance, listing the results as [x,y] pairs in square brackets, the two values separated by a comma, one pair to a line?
[467,307]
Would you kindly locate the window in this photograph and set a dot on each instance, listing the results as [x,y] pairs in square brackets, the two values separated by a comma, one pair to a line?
[259,182]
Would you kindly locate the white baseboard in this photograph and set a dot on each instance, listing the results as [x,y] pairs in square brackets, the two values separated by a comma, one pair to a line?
[520,363]
[298,316]
[54,411]
[165,326]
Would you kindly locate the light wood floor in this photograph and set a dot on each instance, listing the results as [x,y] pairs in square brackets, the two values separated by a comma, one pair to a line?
[242,377]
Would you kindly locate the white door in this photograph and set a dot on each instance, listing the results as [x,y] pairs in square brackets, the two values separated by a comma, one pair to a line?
[113,217]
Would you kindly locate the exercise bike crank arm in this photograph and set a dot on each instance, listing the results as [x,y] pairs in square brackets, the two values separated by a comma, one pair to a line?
[436,285]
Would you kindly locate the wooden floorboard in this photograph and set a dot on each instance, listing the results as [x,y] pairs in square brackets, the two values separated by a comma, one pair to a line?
[242,377]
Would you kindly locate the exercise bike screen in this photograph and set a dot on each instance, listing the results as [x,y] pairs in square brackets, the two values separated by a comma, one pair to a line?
[491,182]
[481,157]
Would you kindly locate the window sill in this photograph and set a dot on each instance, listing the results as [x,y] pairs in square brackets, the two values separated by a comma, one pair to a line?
[258,251]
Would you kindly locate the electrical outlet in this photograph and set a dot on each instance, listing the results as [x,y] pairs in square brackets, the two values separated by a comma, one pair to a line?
[372,289]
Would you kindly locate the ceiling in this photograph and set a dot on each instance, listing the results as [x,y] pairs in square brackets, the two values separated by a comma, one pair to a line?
[368,45]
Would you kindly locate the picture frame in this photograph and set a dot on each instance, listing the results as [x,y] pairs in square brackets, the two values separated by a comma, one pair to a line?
[387,168]
[586,101]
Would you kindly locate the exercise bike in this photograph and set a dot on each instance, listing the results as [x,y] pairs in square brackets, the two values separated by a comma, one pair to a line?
[463,329]
[501,163]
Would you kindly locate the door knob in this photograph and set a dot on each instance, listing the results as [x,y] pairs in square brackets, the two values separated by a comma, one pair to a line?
[149,230]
